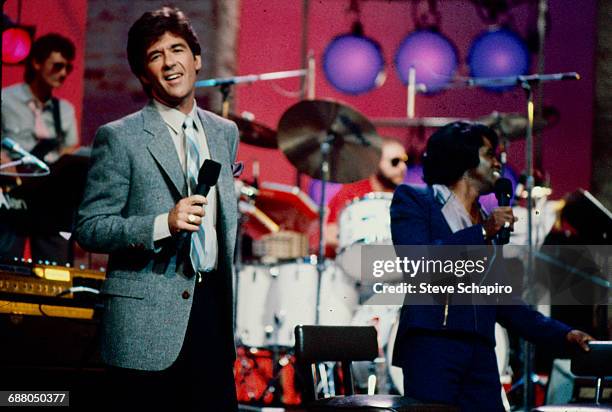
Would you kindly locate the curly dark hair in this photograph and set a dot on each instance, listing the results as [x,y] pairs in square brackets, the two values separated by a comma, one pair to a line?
[453,149]
[42,49]
[150,27]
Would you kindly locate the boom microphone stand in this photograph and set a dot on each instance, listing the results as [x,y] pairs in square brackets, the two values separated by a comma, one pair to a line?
[527,83]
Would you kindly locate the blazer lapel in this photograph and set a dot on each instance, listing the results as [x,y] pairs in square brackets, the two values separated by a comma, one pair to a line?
[215,137]
[162,148]
[220,152]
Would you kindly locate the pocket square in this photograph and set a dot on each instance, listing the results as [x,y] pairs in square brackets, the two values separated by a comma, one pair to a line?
[237,168]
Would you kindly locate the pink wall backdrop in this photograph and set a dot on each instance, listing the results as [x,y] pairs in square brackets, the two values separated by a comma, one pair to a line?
[66,17]
[270,39]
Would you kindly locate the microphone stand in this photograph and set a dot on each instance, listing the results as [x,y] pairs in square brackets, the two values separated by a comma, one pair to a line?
[225,83]
[528,349]
[26,160]
[527,82]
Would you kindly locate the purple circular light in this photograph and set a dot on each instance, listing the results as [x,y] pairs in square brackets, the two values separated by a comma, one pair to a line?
[498,53]
[353,64]
[432,55]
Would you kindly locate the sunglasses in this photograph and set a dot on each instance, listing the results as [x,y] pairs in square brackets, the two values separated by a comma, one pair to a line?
[396,160]
[58,67]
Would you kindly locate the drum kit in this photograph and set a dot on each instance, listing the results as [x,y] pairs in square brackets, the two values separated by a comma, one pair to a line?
[280,281]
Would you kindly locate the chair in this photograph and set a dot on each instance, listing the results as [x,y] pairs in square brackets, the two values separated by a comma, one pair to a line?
[597,363]
[344,344]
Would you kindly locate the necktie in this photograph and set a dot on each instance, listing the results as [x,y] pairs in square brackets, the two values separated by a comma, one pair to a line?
[203,252]
[40,130]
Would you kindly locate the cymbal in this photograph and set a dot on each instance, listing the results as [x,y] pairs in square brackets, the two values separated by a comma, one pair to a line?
[355,145]
[512,126]
[254,133]
[416,122]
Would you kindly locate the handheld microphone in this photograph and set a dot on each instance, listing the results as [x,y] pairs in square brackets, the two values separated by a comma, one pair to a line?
[27,157]
[503,193]
[207,177]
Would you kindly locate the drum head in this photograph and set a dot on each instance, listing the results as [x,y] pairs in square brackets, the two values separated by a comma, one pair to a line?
[364,221]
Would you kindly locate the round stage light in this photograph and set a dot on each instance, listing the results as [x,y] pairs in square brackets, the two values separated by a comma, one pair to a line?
[16,44]
[432,55]
[354,64]
[498,53]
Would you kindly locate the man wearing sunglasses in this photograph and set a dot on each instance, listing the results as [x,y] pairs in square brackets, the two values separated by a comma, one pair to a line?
[390,174]
[43,125]
[31,115]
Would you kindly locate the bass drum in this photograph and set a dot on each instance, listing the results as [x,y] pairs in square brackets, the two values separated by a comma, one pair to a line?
[386,320]
[273,299]
[365,221]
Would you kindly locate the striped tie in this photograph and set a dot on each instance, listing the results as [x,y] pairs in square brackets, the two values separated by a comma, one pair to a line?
[203,248]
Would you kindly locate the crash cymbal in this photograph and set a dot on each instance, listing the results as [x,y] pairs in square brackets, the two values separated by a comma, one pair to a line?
[512,126]
[254,133]
[355,145]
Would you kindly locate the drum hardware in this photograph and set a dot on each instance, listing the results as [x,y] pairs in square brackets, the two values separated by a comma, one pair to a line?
[354,145]
[254,212]
[287,207]
[284,244]
[266,376]
[254,133]
[330,142]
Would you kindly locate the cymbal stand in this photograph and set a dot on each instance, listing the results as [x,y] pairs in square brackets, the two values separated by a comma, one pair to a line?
[325,148]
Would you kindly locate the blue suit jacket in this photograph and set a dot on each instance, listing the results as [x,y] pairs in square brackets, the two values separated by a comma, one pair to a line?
[417,219]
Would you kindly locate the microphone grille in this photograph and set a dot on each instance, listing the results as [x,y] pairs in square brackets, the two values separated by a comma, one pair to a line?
[503,188]
[209,172]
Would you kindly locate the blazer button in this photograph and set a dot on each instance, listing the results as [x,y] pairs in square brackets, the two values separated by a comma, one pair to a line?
[185,295]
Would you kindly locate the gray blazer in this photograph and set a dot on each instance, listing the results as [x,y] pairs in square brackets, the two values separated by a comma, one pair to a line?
[135,175]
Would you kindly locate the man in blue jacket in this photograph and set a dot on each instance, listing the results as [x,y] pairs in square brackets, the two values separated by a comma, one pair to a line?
[447,352]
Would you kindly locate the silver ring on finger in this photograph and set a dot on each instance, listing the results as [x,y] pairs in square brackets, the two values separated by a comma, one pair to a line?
[506,225]
[191,218]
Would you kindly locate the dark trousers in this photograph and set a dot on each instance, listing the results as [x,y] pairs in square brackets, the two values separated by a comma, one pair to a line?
[448,368]
[201,379]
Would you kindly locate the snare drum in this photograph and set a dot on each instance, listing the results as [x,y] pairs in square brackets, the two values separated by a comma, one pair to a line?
[365,221]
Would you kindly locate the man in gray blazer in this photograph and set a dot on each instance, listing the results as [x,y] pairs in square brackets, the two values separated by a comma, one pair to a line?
[167,319]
